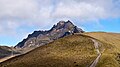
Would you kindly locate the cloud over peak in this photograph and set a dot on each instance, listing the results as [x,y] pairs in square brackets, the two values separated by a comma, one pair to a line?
[15,14]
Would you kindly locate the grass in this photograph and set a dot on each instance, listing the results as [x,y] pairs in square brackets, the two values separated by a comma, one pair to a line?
[111,43]
[70,51]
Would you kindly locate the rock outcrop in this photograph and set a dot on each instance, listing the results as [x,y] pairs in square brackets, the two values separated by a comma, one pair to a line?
[38,38]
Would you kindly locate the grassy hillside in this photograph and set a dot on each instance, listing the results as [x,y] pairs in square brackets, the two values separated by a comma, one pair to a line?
[111,55]
[70,51]
[110,38]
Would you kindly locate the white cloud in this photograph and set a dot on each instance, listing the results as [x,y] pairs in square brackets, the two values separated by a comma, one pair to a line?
[17,8]
[81,10]
[15,14]
[87,9]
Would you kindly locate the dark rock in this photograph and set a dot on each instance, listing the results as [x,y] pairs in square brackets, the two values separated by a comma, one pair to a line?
[38,38]
[6,51]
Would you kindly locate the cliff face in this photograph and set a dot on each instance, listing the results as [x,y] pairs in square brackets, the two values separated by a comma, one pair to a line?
[38,38]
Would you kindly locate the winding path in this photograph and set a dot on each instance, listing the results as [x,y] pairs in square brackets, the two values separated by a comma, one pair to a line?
[96,44]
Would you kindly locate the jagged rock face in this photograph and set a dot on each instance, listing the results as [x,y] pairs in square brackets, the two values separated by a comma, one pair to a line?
[38,38]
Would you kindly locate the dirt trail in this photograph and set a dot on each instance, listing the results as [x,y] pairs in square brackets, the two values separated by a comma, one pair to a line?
[96,44]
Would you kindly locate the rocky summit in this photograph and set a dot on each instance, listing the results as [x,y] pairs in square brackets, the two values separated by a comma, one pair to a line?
[38,38]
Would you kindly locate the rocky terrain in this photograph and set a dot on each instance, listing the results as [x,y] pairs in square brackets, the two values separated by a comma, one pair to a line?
[38,38]
[6,51]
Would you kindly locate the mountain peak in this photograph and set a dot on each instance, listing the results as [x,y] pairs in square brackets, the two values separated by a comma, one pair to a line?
[69,22]
[61,22]
[38,38]
[64,22]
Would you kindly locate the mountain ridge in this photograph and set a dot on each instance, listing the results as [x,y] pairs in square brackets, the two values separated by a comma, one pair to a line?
[38,38]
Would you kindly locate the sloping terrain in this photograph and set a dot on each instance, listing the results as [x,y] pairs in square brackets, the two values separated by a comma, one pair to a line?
[96,49]
[111,38]
[71,51]
[6,51]
[111,55]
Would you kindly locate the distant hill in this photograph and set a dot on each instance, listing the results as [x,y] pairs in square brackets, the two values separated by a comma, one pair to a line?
[38,38]
[6,51]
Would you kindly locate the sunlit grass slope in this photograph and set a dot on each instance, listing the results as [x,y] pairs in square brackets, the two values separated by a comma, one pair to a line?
[111,55]
[70,51]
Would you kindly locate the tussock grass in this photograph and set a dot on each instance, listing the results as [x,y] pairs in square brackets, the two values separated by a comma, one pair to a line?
[71,51]
[111,43]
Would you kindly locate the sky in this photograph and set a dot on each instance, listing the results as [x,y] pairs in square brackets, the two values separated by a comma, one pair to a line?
[18,18]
